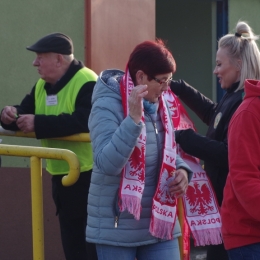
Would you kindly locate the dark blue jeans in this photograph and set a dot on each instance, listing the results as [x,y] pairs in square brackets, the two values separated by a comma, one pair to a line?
[249,252]
[166,250]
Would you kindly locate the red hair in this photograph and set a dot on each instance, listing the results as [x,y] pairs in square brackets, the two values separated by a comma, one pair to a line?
[153,58]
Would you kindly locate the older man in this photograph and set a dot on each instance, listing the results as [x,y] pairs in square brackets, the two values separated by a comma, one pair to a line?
[59,105]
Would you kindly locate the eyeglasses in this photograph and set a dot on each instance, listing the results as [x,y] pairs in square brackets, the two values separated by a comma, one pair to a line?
[167,81]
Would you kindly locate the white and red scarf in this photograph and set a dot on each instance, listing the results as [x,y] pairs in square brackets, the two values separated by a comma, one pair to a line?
[133,175]
[201,211]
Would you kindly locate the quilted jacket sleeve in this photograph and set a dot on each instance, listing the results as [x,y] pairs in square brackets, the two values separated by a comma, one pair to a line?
[113,137]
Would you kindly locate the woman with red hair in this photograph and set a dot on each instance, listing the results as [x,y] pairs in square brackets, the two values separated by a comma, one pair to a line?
[137,174]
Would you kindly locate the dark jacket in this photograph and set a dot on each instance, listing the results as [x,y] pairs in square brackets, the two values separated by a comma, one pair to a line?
[64,124]
[212,148]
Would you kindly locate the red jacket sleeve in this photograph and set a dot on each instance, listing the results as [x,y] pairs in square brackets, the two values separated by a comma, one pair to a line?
[244,160]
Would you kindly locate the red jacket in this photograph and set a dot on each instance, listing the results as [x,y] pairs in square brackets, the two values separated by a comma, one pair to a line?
[240,210]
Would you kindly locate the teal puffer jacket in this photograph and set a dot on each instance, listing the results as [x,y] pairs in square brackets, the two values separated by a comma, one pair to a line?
[113,138]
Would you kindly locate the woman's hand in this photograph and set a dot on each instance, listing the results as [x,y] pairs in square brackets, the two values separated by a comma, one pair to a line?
[179,185]
[135,102]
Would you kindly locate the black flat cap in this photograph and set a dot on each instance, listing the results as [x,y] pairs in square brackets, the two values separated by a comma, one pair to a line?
[54,42]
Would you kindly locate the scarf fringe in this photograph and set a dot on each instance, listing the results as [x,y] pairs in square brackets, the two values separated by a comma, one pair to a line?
[207,237]
[161,228]
[132,204]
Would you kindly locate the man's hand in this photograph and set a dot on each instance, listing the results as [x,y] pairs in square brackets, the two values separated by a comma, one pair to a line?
[26,123]
[8,115]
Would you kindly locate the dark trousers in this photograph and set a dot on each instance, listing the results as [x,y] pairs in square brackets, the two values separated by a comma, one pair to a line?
[216,252]
[71,205]
[249,252]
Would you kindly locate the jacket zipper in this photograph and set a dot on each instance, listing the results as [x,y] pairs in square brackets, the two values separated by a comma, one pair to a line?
[116,221]
[116,210]
[159,154]
[156,132]
[155,127]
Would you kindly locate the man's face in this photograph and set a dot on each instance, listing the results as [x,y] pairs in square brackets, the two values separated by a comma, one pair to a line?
[47,66]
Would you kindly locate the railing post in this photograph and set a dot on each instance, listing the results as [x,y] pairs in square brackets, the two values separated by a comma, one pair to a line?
[181,221]
[37,208]
[35,154]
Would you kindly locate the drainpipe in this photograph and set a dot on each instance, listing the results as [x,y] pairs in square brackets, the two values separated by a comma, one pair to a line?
[222,29]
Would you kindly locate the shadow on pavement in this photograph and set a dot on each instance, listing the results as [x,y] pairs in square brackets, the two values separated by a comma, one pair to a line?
[197,252]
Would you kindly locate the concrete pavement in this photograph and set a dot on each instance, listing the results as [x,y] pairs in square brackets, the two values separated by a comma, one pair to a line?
[197,253]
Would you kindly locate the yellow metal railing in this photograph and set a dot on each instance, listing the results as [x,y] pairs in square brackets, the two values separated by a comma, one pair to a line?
[36,184]
[83,137]
[181,220]
[36,154]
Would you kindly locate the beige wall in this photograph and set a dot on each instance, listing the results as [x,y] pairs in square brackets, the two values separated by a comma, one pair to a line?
[114,29]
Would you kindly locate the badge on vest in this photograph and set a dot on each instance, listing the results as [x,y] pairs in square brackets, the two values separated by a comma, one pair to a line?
[217,119]
[51,100]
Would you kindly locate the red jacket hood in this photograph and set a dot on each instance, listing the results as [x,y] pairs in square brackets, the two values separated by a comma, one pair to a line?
[252,88]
